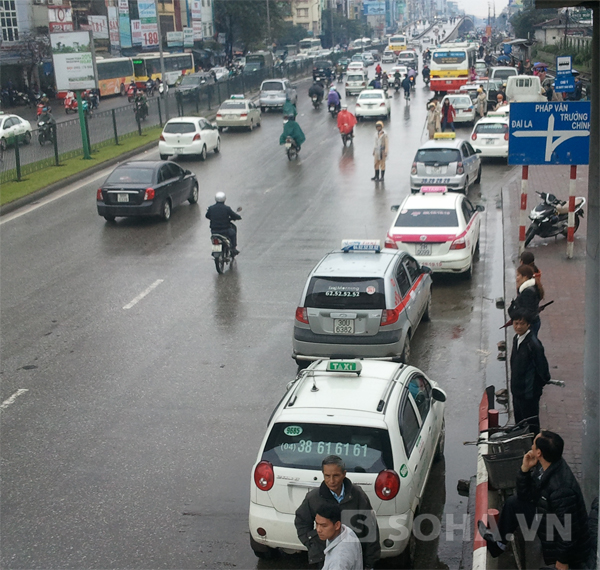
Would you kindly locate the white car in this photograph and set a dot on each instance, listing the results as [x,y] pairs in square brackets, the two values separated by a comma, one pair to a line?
[490,136]
[439,229]
[238,112]
[368,58]
[401,69]
[463,107]
[385,420]
[13,127]
[388,57]
[356,66]
[356,81]
[220,73]
[189,135]
[373,103]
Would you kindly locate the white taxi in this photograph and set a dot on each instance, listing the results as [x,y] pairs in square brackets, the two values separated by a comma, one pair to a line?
[440,229]
[464,108]
[373,103]
[238,112]
[356,66]
[490,136]
[386,422]
[13,128]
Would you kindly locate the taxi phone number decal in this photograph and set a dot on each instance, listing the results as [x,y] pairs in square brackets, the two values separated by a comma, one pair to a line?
[342,294]
[306,446]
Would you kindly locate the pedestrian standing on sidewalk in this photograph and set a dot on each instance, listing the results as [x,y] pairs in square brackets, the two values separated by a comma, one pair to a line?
[342,550]
[529,295]
[529,372]
[546,490]
[448,115]
[527,258]
[380,151]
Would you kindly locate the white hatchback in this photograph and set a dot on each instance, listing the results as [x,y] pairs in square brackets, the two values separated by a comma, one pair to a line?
[388,57]
[490,136]
[356,81]
[373,103]
[189,135]
[463,107]
[385,420]
[439,229]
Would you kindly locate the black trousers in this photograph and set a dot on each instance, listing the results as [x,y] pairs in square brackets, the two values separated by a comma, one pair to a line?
[230,233]
[529,408]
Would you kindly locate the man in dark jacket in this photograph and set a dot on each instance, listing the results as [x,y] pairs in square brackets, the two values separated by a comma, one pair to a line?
[529,372]
[220,217]
[338,489]
[548,490]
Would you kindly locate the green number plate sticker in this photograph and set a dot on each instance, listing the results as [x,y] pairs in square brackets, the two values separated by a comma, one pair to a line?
[403,470]
[292,430]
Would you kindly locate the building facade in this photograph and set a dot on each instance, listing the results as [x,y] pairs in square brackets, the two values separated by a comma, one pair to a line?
[308,14]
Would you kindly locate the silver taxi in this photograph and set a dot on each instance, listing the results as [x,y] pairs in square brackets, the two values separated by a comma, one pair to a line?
[238,112]
[446,161]
[361,301]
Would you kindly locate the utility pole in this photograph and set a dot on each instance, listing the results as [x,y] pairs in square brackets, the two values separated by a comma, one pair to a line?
[331,21]
[269,27]
[161,55]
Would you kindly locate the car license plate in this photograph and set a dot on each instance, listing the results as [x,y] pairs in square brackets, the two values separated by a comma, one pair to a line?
[178,150]
[423,249]
[122,197]
[217,247]
[343,326]
[489,141]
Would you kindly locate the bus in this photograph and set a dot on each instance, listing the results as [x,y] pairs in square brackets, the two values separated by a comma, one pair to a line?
[397,43]
[148,65]
[114,75]
[310,44]
[450,66]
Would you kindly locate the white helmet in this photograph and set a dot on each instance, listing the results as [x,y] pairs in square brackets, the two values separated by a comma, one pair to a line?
[220,197]
[344,106]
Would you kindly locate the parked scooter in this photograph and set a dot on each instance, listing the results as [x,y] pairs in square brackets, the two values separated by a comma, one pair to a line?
[221,249]
[162,88]
[550,218]
[70,103]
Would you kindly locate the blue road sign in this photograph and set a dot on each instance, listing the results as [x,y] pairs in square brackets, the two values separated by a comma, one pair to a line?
[564,83]
[549,133]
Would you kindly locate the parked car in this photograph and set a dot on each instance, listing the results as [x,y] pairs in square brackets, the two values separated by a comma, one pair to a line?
[189,135]
[273,94]
[145,188]
[355,303]
[463,107]
[373,103]
[439,229]
[502,73]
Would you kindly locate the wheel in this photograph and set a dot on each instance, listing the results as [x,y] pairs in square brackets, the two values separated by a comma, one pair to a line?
[263,552]
[465,190]
[439,450]
[3,144]
[263,109]
[478,179]
[530,234]
[292,154]
[164,157]
[203,153]
[251,127]
[165,210]
[426,316]
[193,199]
[217,149]
[41,140]
[406,350]
[576,224]
[27,138]
[220,129]
[220,264]
[109,218]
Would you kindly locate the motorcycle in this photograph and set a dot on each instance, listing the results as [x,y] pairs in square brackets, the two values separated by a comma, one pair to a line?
[150,87]
[397,85]
[46,133]
[316,101]
[140,110]
[291,148]
[221,249]
[413,83]
[426,80]
[550,218]
[40,108]
[333,109]
[21,98]
[131,91]
[347,137]
[70,103]
[162,88]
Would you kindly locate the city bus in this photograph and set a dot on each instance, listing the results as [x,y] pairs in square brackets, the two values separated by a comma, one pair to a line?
[148,65]
[310,44]
[114,75]
[397,43]
[450,66]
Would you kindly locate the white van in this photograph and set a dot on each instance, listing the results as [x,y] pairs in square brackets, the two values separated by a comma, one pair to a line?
[502,72]
[524,89]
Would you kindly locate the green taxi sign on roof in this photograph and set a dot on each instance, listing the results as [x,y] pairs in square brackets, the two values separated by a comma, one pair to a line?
[341,366]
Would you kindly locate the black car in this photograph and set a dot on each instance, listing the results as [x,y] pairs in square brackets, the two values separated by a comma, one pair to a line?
[146,188]
[322,68]
[190,84]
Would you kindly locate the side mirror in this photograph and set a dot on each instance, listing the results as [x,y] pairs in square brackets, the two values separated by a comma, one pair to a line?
[480,208]
[426,270]
[438,395]
[395,207]
[187,172]
[478,151]
[239,209]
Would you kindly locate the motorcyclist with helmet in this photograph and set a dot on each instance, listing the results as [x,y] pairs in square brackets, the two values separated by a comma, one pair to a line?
[426,73]
[334,98]
[292,129]
[289,109]
[142,102]
[378,69]
[317,89]
[397,78]
[220,217]
[346,121]
[406,85]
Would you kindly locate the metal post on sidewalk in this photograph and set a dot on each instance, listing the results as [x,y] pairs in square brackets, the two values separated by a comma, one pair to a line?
[523,216]
[82,124]
[114,120]
[17,158]
[159,112]
[55,144]
[571,219]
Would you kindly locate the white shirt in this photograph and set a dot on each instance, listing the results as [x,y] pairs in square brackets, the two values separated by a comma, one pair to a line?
[521,338]
[343,552]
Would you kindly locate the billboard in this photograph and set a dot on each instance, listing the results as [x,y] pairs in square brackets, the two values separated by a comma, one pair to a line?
[136,32]
[124,25]
[113,25]
[147,11]
[374,8]
[60,19]
[99,26]
[73,60]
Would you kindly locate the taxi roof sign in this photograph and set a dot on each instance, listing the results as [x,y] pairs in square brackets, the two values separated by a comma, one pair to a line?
[434,189]
[361,245]
[341,366]
[238,96]
[444,136]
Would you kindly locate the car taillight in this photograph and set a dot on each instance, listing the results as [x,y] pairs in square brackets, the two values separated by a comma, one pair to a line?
[413,169]
[99,195]
[162,138]
[263,476]
[387,485]
[390,243]
[244,115]
[219,115]
[197,137]
[459,168]
[474,137]
[459,243]
[149,195]
[302,315]
[389,316]
[382,104]
[364,84]
[357,105]
[505,136]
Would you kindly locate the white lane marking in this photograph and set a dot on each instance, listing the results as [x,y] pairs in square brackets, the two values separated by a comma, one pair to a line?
[12,399]
[143,294]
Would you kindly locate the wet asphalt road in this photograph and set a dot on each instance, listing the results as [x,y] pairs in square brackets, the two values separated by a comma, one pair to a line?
[133,444]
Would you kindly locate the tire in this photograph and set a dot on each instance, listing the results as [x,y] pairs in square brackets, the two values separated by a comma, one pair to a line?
[220,129]
[3,144]
[263,109]
[426,316]
[27,138]
[441,444]
[203,153]
[164,157]
[251,127]
[41,140]
[217,149]
[291,153]
[165,210]
[109,219]
[406,350]
[577,221]
[478,179]
[193,199]
[529,235]
[263,552]
[465,190]
[220,266]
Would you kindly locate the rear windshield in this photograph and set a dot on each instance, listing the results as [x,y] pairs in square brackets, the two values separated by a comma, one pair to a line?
[304,446]
[272,86]
[233,105]
[491,128]
[371,96]
[355,78]
[188,80]
[504,73]
[180,128]
[345,293]
[424,218]
[323,63]
[460,101]
[407,56]
[439,155]
[449,57]
[128,175]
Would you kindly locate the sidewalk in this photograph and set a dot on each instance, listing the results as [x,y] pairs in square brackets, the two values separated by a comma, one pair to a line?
[562,330]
